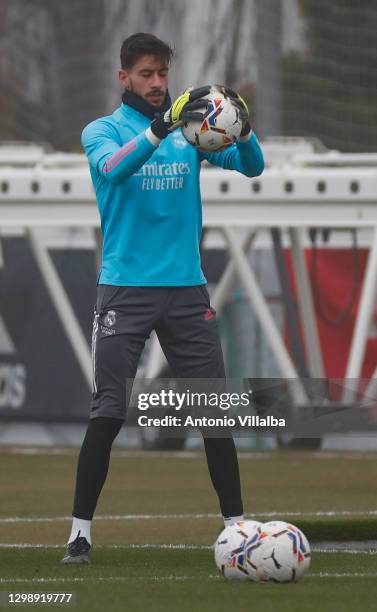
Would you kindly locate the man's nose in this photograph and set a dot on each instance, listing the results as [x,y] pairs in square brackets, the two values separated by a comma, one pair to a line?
[157,80]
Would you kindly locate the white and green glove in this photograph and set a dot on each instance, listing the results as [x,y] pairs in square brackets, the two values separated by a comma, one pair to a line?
[240,103]
[189,106]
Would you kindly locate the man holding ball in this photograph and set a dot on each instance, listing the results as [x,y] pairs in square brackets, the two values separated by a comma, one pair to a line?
[146,178]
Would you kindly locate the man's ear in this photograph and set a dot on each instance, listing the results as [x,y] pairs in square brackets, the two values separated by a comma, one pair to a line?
[124,78]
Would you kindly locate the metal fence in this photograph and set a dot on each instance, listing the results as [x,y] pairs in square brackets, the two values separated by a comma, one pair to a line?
[306,67]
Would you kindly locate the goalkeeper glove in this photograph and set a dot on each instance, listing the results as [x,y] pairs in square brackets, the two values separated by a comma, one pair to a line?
[240,103]
[186,107]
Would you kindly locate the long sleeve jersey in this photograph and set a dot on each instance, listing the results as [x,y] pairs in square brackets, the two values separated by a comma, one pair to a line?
[149,198]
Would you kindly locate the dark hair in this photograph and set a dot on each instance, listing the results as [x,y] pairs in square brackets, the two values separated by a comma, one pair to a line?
[140,44]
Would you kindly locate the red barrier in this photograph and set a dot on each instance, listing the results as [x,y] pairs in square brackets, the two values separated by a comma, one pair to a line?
[336,277]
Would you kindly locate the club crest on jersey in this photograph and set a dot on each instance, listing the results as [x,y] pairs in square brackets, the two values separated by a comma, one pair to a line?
[110,318]
[178,139]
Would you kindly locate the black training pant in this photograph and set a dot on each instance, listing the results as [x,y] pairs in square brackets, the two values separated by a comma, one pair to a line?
[124,318]
[187,330]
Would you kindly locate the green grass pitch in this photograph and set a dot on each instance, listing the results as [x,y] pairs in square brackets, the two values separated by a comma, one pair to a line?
[331,496]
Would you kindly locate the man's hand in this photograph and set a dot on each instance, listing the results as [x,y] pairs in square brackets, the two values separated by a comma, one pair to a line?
[187,107]
[188,101]
[240,103]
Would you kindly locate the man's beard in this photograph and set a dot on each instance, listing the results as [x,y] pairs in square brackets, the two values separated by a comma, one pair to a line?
[143,106]
[150,95]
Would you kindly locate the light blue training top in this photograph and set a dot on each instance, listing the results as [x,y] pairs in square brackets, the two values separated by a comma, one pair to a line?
[149,198]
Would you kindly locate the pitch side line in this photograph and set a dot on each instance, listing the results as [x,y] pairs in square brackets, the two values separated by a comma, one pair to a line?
[151,517]
[187,454]
[346,551]
[314,548]
[114,546]
[343,575]
[124,517]
[103,579]
[165,578]
[130,453]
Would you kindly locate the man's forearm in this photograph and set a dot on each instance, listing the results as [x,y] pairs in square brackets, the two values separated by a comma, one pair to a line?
[251,156]
[130,157]
[245,156]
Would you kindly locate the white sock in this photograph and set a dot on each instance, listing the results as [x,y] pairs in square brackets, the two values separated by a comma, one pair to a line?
[230,520]
[82,528]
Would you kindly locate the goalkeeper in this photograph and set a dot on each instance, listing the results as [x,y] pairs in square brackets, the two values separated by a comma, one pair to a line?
[146,179]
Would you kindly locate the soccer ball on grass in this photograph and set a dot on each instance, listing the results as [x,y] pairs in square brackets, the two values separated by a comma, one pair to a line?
[230,548]
[280,554]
